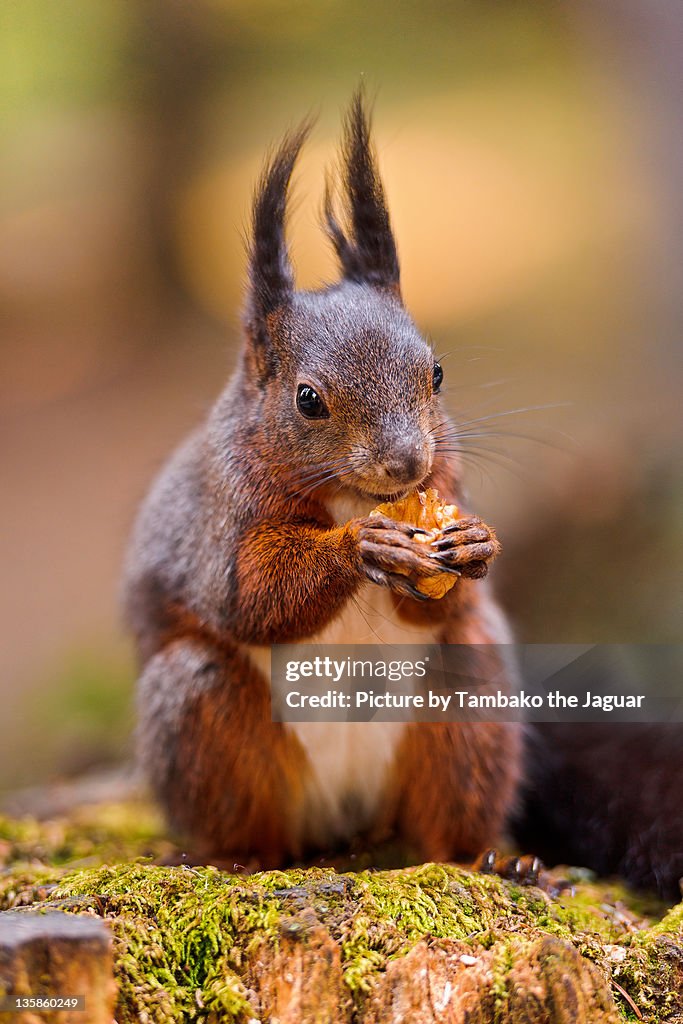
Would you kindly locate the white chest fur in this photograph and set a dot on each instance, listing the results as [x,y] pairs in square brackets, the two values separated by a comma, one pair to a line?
[349,761]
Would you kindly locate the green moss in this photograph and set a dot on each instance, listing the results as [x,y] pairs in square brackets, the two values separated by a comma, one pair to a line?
[503,961]
[671,924]
[106,832]
[184,936]
[182,931]
[652,969]
[175,931]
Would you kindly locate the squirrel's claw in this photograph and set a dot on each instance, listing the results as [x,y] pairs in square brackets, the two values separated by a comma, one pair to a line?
[392,557]
[527,870]
[476,552]
[472,534]
[378,522]
[396,582]
[464,523]
[468,544]
[404,559]
[522,870]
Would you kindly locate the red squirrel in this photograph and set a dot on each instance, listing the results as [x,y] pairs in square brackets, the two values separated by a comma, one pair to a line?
[258,532]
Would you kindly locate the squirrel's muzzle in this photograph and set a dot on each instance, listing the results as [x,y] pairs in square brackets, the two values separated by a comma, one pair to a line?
[406,461]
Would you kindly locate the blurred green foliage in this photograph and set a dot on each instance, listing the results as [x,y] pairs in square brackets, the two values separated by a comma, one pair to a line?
[83,716]
[70,54]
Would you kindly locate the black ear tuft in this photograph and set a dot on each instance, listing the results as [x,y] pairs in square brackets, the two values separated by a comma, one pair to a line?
[366,248]
[271,281]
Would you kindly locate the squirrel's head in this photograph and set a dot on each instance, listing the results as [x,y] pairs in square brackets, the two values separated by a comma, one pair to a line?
[347,383]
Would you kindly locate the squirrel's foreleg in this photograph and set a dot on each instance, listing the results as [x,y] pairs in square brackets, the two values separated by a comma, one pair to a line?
[292,578]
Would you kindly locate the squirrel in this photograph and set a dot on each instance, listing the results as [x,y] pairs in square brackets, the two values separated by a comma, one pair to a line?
[258,532]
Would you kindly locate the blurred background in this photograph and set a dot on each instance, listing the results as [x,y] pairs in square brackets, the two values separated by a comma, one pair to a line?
[532,155]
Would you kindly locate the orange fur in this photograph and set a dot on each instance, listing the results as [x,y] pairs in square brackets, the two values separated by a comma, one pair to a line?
[227,734]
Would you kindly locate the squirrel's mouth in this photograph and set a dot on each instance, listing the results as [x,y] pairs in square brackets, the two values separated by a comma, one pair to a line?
[390,475]
[381,494]
[376,483]
[390,496]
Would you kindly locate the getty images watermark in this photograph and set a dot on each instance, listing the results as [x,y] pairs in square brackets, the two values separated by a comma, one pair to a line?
[477,682]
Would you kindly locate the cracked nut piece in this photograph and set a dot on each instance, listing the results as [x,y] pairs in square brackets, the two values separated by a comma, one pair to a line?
[426,510]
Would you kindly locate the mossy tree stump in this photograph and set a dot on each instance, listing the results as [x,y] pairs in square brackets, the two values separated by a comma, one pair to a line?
[434,944]
[50,960]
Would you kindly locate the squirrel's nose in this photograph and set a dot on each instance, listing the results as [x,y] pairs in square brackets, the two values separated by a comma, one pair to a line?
[406,465]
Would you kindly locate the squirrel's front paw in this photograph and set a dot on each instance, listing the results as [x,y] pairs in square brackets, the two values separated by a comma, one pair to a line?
[468,545]
[392,556]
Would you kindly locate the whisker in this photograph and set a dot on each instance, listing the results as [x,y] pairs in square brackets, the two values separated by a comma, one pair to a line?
[471,463]
[476,449]
[456,435]
[514,412]
[318,467]
[316,475]
[480,460]
[318,482]
[474,454]
[342,471]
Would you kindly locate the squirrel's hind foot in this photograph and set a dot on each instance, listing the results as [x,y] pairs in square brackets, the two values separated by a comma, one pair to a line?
[525,870]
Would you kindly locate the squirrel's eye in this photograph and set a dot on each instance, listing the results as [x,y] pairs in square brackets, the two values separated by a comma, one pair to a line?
[310,404]
[437,377]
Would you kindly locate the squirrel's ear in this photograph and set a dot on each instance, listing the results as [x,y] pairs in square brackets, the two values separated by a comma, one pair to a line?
[271,280]
[366,247]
